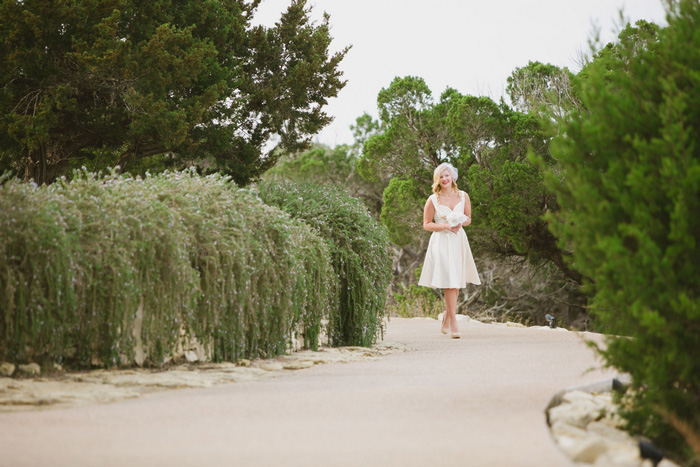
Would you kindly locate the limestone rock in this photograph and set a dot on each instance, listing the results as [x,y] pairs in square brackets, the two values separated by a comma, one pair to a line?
[604,399]
[6,369]
[612,418]
[30,369]
[573,414]
[567,443]
[587,428]
[299,365]
[560,429]
[573,397]
[620,456]
[608,432]
[589,450]
[271,366]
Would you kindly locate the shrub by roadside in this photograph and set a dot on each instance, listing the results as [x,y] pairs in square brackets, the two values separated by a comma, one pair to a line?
[360,254]
[629,188]
[112,269]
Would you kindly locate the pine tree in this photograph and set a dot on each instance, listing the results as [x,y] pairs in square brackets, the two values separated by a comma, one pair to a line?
[118,82]
[629,191]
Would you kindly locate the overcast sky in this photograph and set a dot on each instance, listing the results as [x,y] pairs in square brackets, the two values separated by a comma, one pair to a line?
[472,46]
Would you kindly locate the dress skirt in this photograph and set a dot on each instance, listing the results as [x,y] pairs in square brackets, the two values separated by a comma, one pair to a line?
[449,263]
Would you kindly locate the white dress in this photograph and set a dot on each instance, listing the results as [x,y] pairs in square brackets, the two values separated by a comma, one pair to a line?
[449,263]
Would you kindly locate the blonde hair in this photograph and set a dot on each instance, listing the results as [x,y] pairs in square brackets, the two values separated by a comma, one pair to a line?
[436,178]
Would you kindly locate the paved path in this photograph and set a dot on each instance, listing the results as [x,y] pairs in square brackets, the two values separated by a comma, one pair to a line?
[476,401]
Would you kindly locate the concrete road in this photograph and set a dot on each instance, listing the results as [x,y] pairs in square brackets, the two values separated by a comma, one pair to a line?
[474,401]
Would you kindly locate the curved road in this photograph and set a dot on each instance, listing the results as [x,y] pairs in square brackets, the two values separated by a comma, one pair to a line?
[475,401]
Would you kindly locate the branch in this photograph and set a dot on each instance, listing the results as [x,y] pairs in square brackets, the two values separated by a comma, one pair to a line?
[691,435]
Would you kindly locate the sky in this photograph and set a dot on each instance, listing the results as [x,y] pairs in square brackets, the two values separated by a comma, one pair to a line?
[471,46]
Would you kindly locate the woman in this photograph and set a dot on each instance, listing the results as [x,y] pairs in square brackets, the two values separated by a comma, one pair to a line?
[449,263]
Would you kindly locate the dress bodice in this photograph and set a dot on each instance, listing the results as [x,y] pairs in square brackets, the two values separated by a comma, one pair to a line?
[442,211]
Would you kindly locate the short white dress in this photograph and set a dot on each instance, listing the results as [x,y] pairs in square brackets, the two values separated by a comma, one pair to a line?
[449,263]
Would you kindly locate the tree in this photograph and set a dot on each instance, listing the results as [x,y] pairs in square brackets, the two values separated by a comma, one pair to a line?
[540,88]
[508,193]
[409,141]
[325,166]
[488,143]
[629,190]
[120,81]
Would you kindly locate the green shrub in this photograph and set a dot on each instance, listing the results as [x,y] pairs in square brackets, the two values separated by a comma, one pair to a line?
[360,253]
[630,201]
[85,263]
[402,210]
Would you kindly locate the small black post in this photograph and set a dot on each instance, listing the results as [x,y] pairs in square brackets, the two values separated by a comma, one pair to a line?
[647,450]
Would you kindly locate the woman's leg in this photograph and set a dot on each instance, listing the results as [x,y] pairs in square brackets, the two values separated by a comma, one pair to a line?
[451,305]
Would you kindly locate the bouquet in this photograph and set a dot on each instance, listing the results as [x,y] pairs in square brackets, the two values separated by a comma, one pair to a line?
[456,218]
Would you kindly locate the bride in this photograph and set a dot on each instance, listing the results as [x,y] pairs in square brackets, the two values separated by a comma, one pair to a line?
[449,263]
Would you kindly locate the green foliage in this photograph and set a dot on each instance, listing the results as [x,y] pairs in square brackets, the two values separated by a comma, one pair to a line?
[411,141]
[630,196]
[488,143]
[417,302]
[402,211]
[329,166]
[508,195]
[319,165]
[516,196]
[542,89]
[359,250]
[479,127]
[87,263]
[114,82]
[364,128]
[615,56]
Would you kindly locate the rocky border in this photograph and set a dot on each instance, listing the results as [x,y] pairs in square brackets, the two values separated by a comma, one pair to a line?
[66,389]
[585,424]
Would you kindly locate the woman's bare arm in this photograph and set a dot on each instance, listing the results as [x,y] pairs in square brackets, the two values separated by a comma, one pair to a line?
[428,215]
[467,209]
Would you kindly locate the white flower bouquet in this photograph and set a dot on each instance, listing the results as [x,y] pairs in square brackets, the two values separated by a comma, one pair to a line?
[456,218]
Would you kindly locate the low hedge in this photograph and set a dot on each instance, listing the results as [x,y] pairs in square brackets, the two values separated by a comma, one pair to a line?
[115,269]
[360,254]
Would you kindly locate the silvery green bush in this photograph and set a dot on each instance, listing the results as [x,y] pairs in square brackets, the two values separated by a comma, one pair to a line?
[360,254]
[83,263]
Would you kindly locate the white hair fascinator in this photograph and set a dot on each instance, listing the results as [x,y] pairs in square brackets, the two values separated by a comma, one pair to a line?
[446,165]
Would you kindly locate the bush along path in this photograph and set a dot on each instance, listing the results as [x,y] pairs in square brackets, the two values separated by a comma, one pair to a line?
[629,191]
[359,251]
[113,270]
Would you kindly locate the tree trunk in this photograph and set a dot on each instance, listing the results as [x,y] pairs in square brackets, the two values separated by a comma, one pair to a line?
[544,243]
[40,167]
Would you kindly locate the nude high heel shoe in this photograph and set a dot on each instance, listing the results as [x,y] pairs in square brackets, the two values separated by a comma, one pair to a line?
[442,327]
